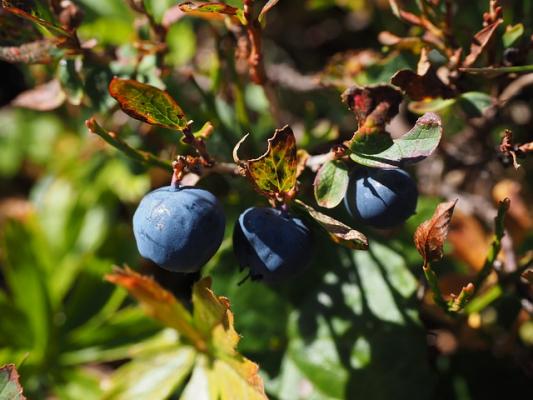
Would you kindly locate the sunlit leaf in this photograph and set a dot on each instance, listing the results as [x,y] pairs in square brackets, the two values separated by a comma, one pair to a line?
[158,303]
[214,11]
[148,103]
[380,151]
[512,34]
[154,376]
[10,388]
[210,329]
[330,183]
[274,173]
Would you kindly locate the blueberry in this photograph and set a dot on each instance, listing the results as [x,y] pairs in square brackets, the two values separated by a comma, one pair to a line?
[381,198]
[272,243]
[179,228]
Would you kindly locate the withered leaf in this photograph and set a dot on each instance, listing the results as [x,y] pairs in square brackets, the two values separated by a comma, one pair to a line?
[274,173]
[373,106]
[480,41]
[430,235]
[420,87]
[338,232]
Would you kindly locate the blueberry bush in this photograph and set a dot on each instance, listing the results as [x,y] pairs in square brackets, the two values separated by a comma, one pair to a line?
[305,199]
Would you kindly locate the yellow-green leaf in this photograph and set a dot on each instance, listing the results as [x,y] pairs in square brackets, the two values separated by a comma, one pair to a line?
[210,329]
[213,11]
[148,103]
[274,173]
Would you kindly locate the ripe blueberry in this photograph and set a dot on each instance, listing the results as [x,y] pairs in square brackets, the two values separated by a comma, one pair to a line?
[179,228]
[381,198]
[272,243]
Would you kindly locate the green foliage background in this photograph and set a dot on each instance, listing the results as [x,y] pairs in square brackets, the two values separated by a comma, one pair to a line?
[349,328]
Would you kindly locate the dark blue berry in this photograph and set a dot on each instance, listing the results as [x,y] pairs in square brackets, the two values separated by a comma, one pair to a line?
[381,198]
[272,243]
[179,228]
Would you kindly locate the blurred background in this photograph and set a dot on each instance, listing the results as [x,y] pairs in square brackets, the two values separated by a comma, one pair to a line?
[356,324]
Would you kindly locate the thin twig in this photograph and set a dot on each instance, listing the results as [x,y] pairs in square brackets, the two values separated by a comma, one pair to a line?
[138,155]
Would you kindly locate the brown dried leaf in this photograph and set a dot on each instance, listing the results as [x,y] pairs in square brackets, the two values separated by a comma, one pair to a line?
[45,97]
[430,235]
[420,87]
[480,41]
[338,232]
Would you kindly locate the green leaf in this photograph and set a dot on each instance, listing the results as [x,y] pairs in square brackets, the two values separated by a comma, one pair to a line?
[10,388]
[26,279]
[512,34]
[154,376]
[338,232]
[414,146]
[148,103]
[474,104]
[331,183]
[350,336]
[274,173]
